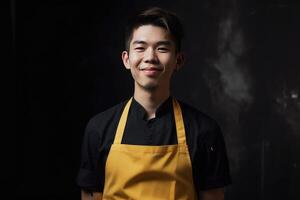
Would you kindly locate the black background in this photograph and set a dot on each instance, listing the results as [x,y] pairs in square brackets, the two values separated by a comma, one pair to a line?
[242,68]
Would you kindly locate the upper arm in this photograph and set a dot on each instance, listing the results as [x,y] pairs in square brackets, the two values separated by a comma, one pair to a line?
[212,194]
[212,161]
[88,174]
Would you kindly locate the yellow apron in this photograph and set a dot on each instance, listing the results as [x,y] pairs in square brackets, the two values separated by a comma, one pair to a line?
[149,172]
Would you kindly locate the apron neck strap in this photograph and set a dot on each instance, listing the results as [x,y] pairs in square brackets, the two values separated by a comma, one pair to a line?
[179,122]
[180,130]
[122,123]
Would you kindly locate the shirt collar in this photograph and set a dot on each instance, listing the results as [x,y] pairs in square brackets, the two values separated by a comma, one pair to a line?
[164,108]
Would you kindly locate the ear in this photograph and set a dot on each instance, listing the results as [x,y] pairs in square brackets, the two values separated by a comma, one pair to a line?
[125,58]
[180,58]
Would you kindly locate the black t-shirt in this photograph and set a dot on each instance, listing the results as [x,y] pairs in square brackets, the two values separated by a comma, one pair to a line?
[203,135]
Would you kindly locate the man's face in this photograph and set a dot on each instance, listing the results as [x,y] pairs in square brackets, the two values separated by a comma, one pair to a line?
[152,57]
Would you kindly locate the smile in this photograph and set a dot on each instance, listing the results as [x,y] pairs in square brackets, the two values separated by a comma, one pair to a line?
[151,71]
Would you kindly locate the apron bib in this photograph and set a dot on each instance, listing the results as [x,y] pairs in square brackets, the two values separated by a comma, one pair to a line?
[141,172]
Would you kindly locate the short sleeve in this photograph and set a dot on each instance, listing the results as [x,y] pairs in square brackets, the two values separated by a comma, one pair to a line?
[215,168]
[88,175]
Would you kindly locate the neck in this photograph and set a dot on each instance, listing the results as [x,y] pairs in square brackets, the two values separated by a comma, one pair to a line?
[150,100]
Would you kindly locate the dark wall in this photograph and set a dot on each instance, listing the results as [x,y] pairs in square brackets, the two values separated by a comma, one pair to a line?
[242,68]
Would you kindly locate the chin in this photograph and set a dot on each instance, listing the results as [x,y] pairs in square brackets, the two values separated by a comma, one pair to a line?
[150,86]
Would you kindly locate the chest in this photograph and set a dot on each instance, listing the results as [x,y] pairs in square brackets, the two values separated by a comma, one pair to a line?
[156,131]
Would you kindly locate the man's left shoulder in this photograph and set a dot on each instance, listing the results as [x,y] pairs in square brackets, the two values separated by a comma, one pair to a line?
[196,117]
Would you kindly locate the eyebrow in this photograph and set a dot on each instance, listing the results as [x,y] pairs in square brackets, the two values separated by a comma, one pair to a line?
[167,43]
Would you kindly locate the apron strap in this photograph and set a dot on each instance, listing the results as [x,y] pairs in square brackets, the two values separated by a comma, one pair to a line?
[180,130]
[122,123]
[179,122]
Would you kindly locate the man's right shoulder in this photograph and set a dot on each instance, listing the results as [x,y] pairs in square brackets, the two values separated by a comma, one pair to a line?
[107,117]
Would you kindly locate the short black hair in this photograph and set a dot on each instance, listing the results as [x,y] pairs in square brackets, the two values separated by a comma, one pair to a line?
[158,17]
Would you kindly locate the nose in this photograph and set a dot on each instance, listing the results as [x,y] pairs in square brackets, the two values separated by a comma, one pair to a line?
[150,56]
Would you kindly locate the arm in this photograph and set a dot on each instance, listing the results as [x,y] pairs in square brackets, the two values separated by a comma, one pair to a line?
[213,194]
[215,174]
[88,175]
[90,195]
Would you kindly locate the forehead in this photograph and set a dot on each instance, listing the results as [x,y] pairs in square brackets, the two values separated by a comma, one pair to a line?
[150,34]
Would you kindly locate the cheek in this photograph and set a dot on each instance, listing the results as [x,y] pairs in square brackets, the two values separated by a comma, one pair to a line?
[170,64]
[134,59]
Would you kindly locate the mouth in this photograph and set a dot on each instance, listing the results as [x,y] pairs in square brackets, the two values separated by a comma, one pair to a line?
[151,71]
[151,68]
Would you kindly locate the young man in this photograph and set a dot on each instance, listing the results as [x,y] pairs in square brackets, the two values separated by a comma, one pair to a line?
[152,146]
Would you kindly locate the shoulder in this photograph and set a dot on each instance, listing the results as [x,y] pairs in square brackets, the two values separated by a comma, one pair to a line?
[105,119]
[193,113]
[199,122]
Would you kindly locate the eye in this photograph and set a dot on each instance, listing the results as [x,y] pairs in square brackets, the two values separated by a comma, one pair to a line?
[139,49]
[163,49]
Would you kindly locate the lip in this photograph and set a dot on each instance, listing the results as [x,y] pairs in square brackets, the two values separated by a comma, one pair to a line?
[151,71]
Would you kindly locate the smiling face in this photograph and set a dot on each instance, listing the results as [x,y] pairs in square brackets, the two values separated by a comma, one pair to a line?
[152,57]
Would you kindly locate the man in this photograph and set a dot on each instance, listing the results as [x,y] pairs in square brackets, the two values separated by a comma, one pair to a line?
[152,146]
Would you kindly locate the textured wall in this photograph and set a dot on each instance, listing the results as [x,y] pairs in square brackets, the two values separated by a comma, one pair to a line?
[242,68]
